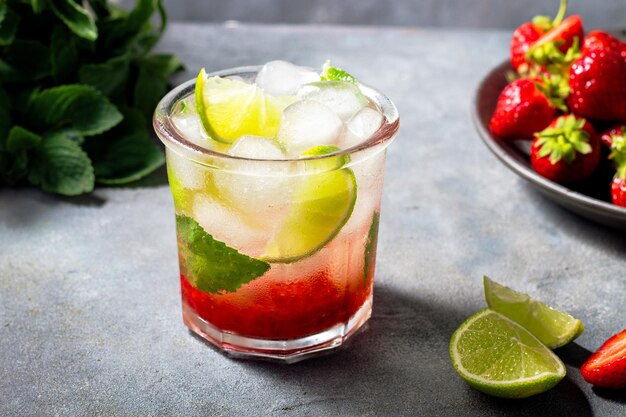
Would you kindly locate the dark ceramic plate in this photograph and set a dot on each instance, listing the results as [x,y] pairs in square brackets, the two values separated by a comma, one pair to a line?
[590,198]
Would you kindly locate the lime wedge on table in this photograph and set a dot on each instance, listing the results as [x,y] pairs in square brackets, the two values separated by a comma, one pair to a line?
[497,356]
[553,327]
[321,206]
[230,108]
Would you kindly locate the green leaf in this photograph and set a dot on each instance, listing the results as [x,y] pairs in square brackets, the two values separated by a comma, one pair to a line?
[76,18]
[123,32]
[38,5]
[330,73]
[80,107]
[20,139]
[127,159]
[149,89]
[108,77]
[100,8]
[161,64]
[25,60]
[14,160]
[5,118]
[211,266]
[59,165]
[63,54]
[9,21]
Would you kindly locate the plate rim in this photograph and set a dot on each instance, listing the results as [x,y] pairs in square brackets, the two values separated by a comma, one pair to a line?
[581,200]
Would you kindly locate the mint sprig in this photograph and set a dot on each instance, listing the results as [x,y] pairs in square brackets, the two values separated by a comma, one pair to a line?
[330,73]
[211,266]
[79,76]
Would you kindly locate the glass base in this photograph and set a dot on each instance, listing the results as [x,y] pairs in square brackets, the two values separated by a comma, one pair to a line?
[286,351]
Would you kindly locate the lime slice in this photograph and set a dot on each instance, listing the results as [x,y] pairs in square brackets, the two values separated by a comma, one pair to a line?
[553,327]
[499,357]
[321,205]
[230,108]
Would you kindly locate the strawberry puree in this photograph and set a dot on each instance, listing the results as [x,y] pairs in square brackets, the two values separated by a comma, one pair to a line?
[282,309]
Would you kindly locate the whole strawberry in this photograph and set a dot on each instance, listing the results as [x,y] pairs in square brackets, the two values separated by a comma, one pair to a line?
[566,151]
[616,138]
[598,84]
[522,109]
[607,366]
[598,39]
[607,136]
[542,30]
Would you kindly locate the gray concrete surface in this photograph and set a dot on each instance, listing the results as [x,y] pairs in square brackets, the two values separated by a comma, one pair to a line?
[430,13]
[90,320]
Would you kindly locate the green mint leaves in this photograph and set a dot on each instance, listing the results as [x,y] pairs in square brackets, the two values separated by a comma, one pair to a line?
[78,86]
[330,73]
[210,265]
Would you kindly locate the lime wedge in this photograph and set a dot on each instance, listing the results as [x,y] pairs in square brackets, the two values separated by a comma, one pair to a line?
[321,205]
[499,357]
[230,108]
[553,327]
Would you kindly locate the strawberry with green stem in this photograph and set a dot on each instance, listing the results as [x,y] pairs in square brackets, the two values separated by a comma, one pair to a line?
[566,151]
[527,106]
[617,141]
[544,38]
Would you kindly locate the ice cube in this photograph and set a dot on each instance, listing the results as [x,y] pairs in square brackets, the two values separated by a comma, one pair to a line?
[306,124]
[360,127]
[256,147]
[190,175]
[190,127]
[282,78]
[260,189]
[228,225]
[343,98]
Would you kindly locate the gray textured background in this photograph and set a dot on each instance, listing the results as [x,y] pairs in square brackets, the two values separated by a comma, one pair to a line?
[428,13]
[90,314]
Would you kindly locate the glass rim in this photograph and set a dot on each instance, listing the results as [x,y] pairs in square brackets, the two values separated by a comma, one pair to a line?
[175,141]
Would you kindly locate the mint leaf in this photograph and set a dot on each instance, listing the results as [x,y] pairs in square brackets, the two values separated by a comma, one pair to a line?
[336,74]
[5,116]
[152,82]
[127,159]
[81,107]
[29,60]
[108,77]
[211,266]
[15,162]
[370,245]
[9,20]
[76,18]
[59,165]
[63,54]
[38,5]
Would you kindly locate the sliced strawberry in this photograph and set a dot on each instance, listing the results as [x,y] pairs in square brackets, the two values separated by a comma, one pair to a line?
[607,366]
[567,151]
[522,109]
